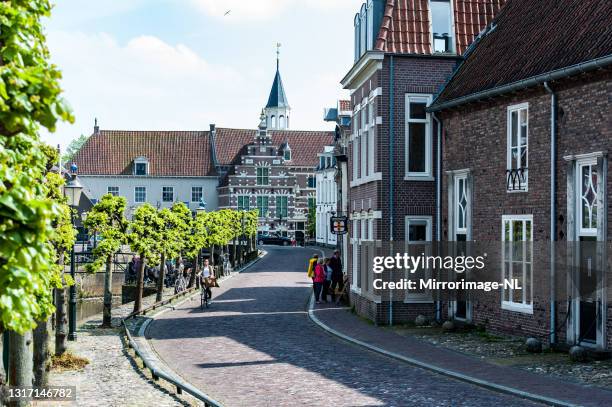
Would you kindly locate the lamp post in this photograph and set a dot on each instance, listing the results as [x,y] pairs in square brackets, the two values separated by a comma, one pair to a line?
[72,192]
[242,239]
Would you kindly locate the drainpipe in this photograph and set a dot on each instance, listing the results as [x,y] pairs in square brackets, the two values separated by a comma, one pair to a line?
[553,211]
[438,201]
[391,166]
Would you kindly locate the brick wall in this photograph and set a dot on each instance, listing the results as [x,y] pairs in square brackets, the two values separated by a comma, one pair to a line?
[475,138]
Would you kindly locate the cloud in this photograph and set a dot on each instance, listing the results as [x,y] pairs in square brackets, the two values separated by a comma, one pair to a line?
[259,9]
[145,83]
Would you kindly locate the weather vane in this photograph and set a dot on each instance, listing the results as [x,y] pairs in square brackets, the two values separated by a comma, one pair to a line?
[278,45]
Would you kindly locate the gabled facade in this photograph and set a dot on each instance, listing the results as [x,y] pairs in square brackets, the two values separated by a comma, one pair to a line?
[327,196]
[405,51]
[527,135]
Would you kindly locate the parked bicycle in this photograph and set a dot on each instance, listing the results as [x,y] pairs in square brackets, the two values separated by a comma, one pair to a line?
[180,284]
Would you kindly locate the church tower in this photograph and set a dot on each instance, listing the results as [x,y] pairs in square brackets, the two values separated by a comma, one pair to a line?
[277,109]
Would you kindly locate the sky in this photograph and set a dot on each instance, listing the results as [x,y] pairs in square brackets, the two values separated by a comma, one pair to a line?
[183,64]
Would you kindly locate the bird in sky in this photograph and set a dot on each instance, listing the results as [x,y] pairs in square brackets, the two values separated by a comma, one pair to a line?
[227,13]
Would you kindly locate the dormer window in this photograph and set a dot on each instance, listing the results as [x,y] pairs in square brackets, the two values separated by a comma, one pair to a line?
[141,166]
[287,154]
[441,25]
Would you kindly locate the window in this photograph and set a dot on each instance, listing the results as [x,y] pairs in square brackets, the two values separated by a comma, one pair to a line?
[114,191]
[418,233]
[371,139]
[364,143]
[312,182]
[517,259]
[281,122]
[587,201]
[140,168]
[418,136]
[273,122]
[196,194]
[356,280]
[461,206]
[518,119]
[321,162]
[263,176]
[441,25]
[167,194]
[281,206]
[355,161]
[312,203]
[262,206]
[140,194]
[243,203]
[287,154]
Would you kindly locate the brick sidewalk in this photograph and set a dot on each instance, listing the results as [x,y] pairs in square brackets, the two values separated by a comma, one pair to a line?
[346,323]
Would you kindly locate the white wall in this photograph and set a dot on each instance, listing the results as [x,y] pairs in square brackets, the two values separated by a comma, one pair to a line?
[326,203]
[97,186]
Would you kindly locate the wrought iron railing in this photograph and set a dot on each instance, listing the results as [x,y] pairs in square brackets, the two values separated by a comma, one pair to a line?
[516,179]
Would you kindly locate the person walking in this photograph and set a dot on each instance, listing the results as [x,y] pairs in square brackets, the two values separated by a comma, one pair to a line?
[311,265]
[328,279]
[337,277]
[318,279]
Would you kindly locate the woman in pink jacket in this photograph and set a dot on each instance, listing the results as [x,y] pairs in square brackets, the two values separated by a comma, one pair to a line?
[318,279]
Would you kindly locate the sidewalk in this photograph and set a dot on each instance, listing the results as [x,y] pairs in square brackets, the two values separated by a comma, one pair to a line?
[341,322]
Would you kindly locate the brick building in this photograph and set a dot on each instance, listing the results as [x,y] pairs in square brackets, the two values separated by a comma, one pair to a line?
[405,51]
[526,135]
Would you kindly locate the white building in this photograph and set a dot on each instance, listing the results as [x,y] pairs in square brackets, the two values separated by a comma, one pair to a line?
[327,192]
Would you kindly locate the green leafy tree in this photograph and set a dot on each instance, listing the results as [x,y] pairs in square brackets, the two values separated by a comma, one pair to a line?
[198,238]
[143,237]
[74,147]
[29,98]
[108,220]
[311,222]
[173,236]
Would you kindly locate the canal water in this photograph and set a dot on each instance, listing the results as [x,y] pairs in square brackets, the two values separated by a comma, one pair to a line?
[86,307]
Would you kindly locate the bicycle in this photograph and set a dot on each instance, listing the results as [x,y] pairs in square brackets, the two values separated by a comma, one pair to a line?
[204,296]
[180,284]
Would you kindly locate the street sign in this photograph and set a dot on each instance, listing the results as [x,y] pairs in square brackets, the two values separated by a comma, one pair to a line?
[339,225]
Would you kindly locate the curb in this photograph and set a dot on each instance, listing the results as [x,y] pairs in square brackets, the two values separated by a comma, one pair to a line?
[449,373]
[154,359]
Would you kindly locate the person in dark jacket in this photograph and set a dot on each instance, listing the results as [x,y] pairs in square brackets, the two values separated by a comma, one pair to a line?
[337,277]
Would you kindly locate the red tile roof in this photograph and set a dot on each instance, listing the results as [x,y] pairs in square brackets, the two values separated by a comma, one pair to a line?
[405,24]
[305,145]
[532,38]
[230,144]
[169,153]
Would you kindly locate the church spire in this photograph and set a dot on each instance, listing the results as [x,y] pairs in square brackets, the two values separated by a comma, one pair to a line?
[277,109]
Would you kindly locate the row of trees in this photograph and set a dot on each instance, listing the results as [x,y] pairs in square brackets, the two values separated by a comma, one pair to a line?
[35,226]
[159,235]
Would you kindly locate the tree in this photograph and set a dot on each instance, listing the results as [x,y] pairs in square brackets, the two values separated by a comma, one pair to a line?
[74,147]
[311,225]
[172,238]
[29,98]
[143,237]
[107,218]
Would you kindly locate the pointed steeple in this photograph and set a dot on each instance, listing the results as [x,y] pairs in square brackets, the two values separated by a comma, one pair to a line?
[277,109]
[277,93]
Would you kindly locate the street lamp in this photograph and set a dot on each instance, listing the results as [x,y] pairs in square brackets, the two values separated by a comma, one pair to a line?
[72,192]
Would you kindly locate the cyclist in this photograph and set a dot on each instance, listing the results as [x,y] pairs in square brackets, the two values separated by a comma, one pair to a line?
[207,279]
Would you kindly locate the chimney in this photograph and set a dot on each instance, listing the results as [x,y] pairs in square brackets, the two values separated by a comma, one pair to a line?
[96,127]
[212,127]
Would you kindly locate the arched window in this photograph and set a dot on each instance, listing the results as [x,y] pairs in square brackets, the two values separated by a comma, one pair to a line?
[281,122]
[273,122]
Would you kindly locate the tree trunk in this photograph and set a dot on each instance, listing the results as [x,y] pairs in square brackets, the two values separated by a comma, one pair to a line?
[41,360]
[139,284]
[108,294]
[212,255]
[160,279]
[20,363]
[234,262]
[194,271]
[61,321]
[2,371]
[61,318]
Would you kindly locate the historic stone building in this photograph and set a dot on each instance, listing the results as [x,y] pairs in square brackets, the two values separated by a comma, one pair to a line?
[270,169]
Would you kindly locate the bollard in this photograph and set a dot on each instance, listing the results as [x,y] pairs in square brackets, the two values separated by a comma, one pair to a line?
[179,390]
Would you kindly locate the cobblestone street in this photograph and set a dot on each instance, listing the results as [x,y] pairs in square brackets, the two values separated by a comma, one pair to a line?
[255,346]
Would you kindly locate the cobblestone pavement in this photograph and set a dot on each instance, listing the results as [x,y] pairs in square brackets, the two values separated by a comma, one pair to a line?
[256,347]
[110,379]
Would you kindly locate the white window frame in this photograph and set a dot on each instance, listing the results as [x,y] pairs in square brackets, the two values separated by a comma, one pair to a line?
[512,109]
[248,201]
[108,190]
[461,177]
[511,305]
[453,42]
[263,215]
[363,126]
[136,194]
[427,174]
[162,194]
[263,177]
[201,193]
[426,296]
[355,254]
[580,164]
